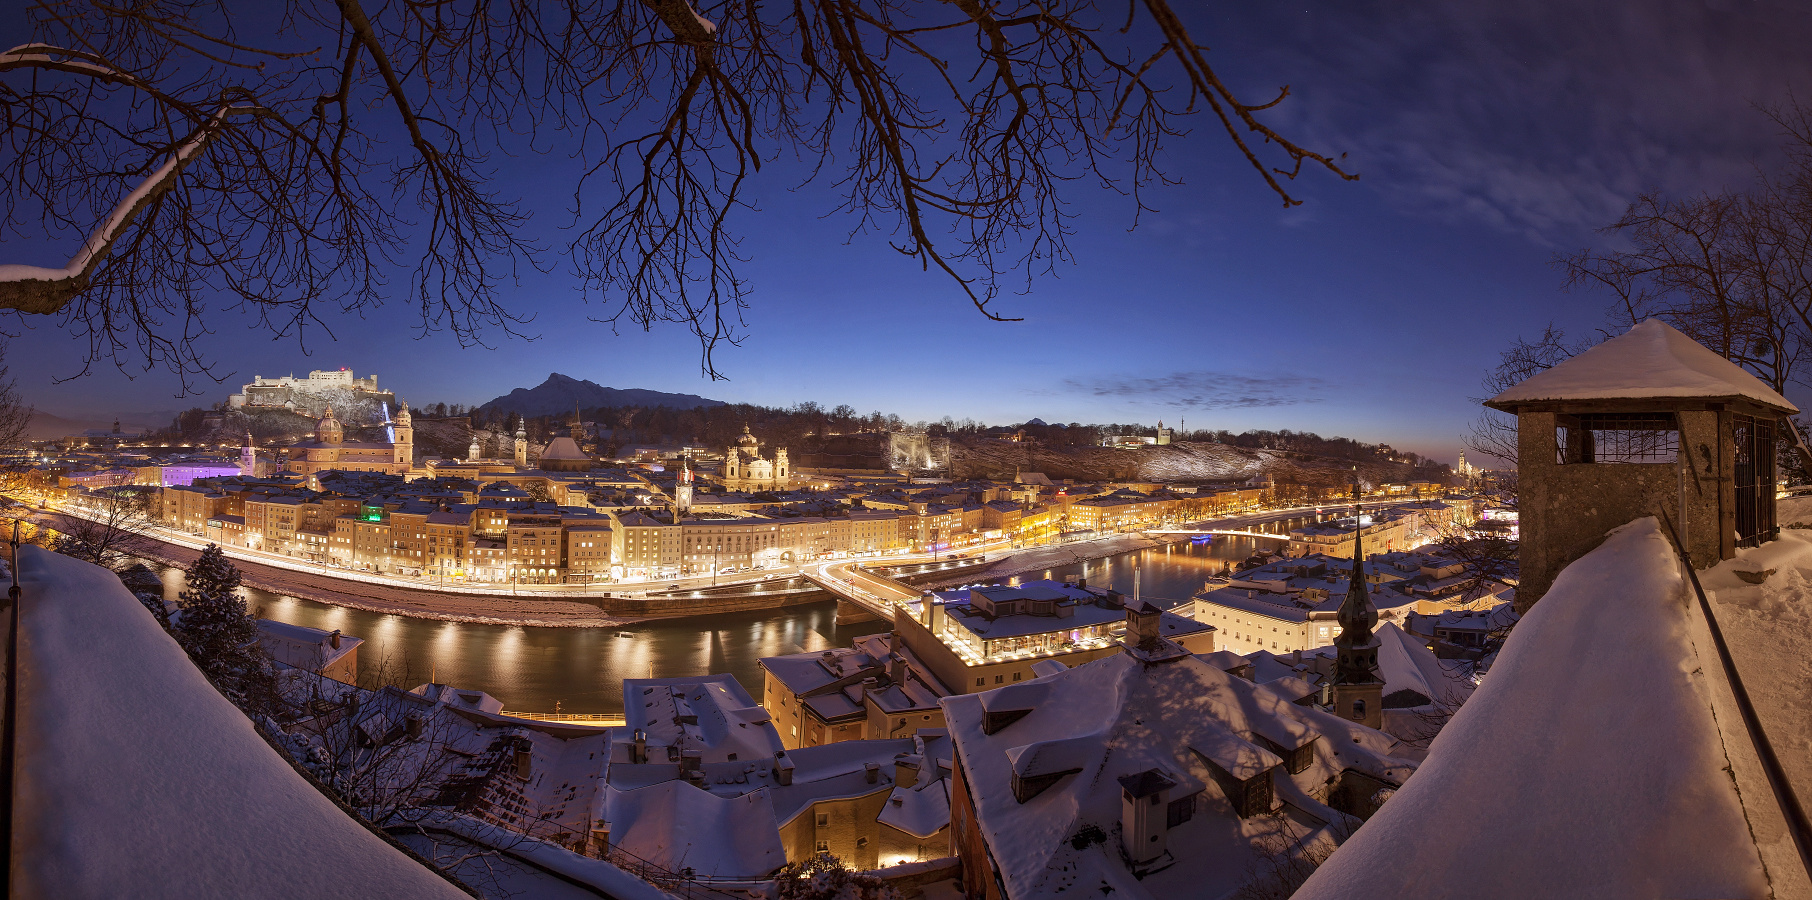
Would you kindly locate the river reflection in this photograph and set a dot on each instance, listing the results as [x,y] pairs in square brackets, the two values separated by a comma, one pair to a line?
[582,669]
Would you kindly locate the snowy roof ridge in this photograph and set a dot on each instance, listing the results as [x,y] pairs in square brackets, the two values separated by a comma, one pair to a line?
[1651,360]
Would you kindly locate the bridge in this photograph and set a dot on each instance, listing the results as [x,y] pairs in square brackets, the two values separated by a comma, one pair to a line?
[862,596]
[1256,534]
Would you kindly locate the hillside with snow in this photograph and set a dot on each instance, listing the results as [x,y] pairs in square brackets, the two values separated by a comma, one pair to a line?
[1181,462]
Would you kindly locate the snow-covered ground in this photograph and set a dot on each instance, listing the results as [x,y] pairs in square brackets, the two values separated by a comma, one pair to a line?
[1768,627]
[136,778]
[1590,763]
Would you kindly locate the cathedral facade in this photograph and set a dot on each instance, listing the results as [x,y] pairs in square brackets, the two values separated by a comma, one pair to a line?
[745,469]
[330,451]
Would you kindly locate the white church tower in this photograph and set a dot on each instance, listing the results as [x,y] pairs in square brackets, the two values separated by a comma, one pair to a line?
[248,457]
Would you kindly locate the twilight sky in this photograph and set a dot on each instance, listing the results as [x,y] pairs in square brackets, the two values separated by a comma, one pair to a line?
[1490,136]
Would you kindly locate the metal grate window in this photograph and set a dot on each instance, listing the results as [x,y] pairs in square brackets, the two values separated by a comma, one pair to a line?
[1616,438]
[1755,480]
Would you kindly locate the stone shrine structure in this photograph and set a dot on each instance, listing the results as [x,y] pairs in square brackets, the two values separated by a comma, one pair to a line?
[1647,423]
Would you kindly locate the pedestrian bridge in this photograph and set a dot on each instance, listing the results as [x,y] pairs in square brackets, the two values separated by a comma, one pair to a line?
[1192,531]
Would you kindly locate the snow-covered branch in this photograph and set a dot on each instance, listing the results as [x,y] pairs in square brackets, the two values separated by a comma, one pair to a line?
[42,290]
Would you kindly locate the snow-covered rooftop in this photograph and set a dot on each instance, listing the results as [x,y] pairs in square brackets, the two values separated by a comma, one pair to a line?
[137,778]
[1651,360]
[1118,717]
[1588,763]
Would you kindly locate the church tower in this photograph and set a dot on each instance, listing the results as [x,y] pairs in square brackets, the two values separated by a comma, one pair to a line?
[682,489]
[473,451]
[248,457]
[521,446]
[578,431]
[1358,689]
[405,438]
[780,469]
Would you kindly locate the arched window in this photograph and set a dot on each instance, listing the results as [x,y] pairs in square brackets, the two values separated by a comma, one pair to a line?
[1358,709]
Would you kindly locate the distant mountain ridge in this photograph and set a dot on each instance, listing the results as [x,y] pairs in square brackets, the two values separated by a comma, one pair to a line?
[559,393]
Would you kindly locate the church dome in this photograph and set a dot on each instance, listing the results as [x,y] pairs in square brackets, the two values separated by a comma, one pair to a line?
[328,430]
[747,439]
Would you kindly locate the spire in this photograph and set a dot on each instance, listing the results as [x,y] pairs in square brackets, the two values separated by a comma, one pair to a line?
[1356,658]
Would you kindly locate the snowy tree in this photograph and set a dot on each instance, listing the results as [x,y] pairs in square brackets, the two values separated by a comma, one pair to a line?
[218,633]
[183,149]
[825,877]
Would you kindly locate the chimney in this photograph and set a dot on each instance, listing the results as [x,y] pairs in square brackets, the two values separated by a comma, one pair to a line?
[600,835]
[524,761]
[932,612]
[640,753]
[691,761]
[870,685]
[872,772]
[333,640]
[783,768]
[1082,582]
[896,668]
[906,771]
[1142,626]
[413,724]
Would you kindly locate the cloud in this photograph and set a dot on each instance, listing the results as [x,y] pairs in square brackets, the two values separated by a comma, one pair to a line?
[1536,117]
[1202,390]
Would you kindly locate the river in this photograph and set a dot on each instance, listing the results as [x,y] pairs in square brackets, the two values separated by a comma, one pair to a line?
[581,670]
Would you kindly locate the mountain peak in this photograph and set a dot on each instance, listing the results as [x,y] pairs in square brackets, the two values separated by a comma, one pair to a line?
[559,393]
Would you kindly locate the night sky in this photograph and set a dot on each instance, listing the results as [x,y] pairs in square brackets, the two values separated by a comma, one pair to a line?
[1490,137]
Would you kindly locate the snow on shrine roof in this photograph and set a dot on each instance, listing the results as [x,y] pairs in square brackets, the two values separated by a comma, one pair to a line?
[1651,360]
[1589,761]
[116,726]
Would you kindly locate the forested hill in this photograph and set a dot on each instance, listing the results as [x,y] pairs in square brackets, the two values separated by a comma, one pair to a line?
[560,394]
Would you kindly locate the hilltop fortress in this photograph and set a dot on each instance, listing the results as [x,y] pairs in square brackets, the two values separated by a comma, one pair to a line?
[312,395]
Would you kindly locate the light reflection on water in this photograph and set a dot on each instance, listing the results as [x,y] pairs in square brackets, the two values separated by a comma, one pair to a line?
[582,669]
[530,669]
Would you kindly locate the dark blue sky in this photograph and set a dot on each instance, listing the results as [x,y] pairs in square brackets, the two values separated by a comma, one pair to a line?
[1490,137]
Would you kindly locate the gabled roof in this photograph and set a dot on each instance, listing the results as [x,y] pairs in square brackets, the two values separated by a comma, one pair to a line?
[1651,360]
[1094,731]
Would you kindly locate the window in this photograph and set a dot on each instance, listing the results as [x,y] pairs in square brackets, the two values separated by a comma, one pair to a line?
[1181,810]
[824,846]
[823,820]
[980,681]
[1615,438]
[998,679]
[861,842]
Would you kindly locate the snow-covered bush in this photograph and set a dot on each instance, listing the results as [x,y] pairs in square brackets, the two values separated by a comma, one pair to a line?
[824,877]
